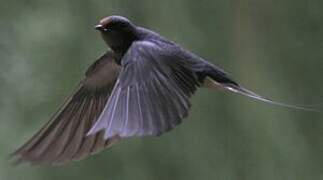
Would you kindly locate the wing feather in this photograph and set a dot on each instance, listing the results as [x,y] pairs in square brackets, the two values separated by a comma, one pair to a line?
[152,93]
[64,138]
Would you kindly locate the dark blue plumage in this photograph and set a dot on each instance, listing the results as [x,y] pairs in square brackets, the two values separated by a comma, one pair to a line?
[141,87]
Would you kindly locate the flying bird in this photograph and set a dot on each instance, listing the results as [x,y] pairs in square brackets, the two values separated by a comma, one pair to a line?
[140,87]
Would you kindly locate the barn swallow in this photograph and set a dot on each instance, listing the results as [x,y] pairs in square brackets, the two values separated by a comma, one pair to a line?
[140,87]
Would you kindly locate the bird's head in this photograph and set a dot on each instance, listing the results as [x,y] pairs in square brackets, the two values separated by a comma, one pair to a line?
[118,32]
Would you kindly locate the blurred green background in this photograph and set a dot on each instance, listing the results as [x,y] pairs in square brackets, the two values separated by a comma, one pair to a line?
[274,47]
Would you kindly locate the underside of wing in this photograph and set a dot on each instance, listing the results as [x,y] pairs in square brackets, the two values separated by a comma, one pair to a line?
[64,137]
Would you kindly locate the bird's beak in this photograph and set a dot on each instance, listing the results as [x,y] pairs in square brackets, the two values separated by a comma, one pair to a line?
[98,27]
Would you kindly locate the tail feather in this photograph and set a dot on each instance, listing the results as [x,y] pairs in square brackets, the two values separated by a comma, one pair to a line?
[245,92]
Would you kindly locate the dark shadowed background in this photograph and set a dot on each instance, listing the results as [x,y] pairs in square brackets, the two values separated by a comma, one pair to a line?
[273,47]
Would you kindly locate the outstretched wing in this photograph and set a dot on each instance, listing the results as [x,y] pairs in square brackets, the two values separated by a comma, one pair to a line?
[64,138]
[151,95]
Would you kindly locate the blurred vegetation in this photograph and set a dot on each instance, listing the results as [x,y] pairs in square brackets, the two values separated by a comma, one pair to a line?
[272,47]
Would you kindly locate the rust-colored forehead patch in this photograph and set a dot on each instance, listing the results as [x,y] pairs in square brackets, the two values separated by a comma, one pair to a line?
[106,20]
[109,19]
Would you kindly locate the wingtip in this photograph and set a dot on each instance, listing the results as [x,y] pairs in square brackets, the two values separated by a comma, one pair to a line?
[92,131]
[95,130]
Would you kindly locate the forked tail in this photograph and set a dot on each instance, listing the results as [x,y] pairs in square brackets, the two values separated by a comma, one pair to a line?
[235,88]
